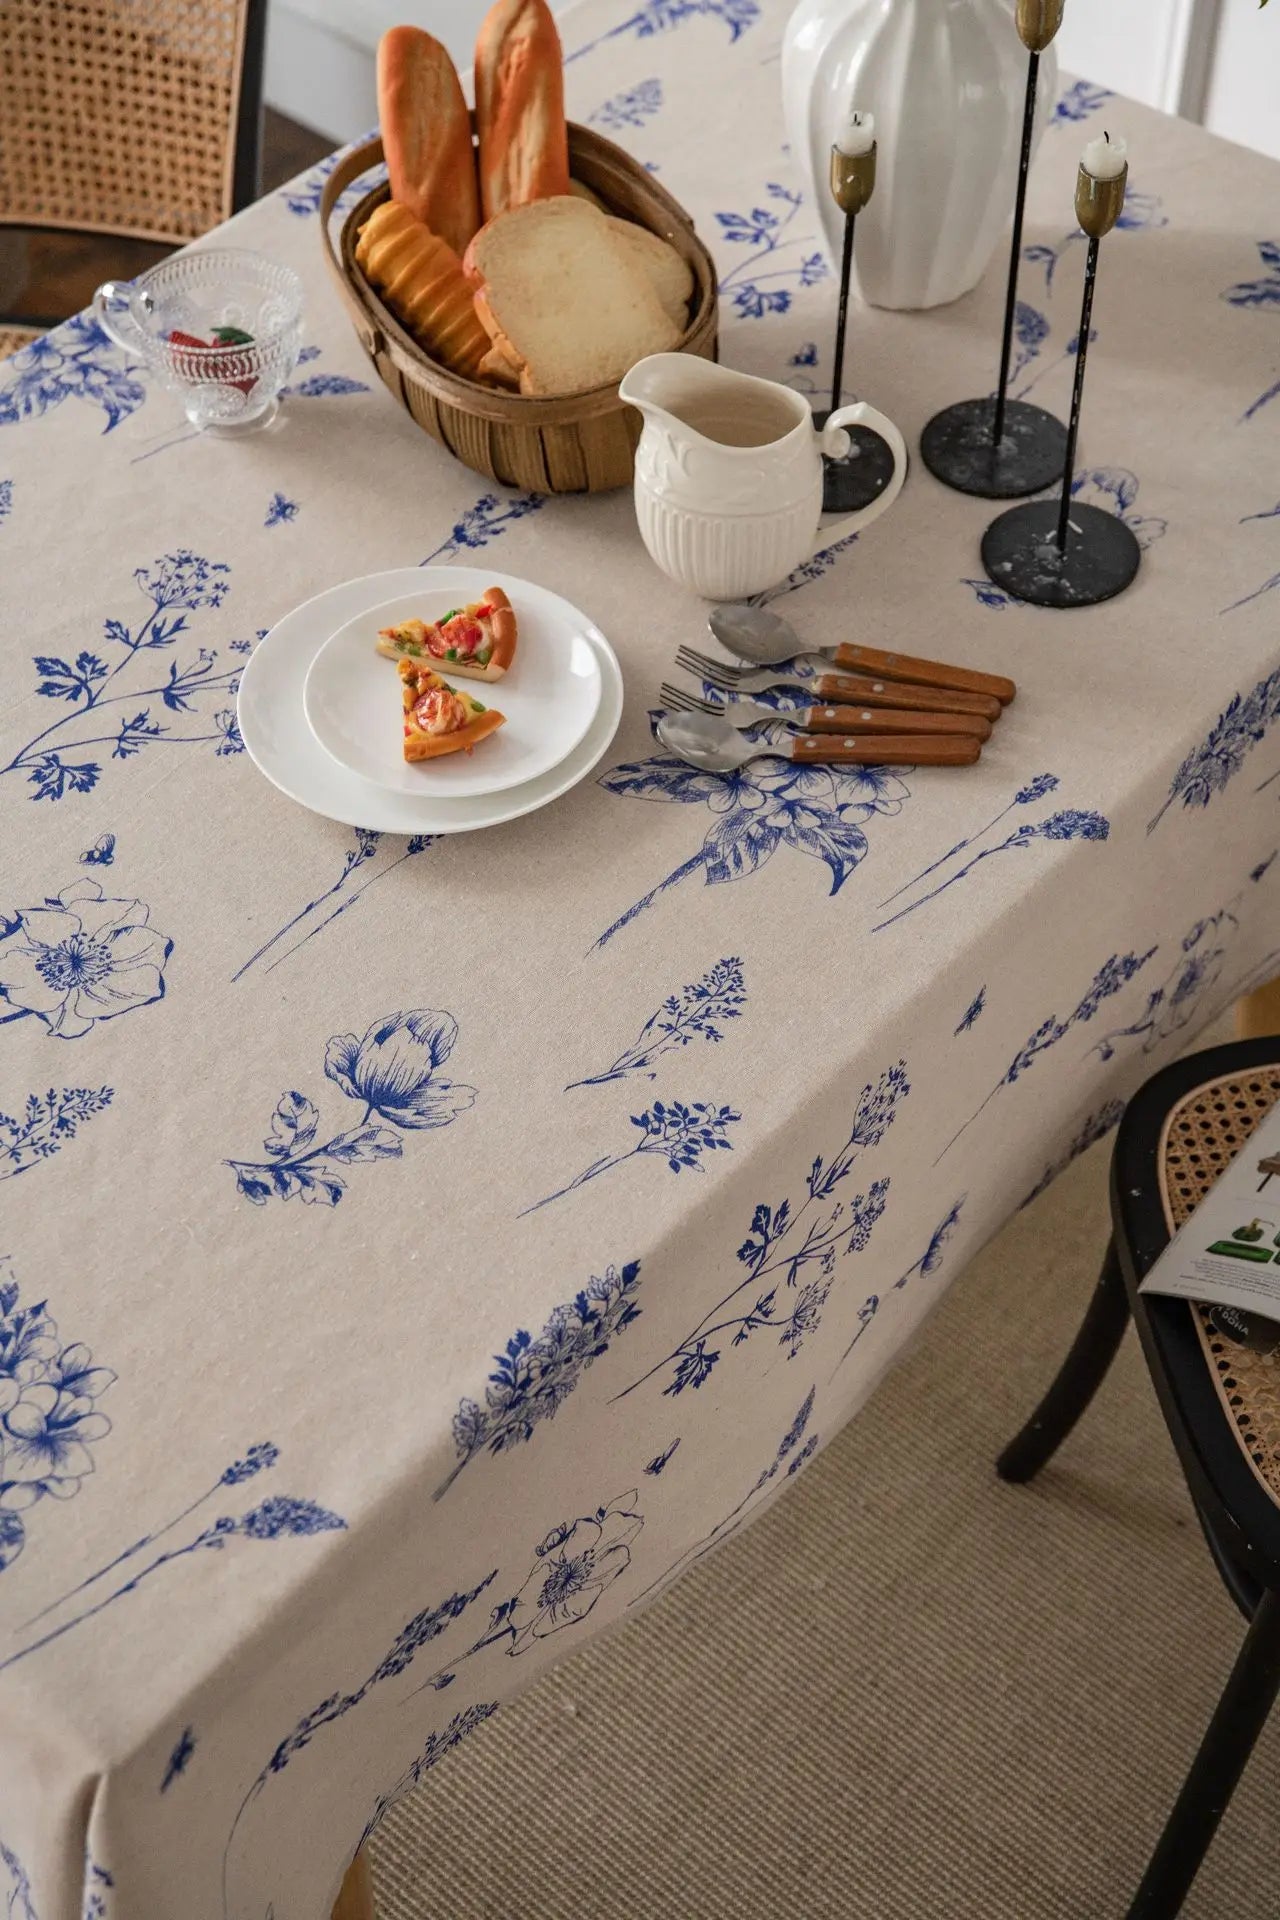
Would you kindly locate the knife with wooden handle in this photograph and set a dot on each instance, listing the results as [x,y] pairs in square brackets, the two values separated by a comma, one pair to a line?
[887,750]
[892,720]
[904,693]
[929,673]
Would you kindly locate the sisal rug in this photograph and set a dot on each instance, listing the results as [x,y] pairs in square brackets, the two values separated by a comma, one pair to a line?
[908,1693]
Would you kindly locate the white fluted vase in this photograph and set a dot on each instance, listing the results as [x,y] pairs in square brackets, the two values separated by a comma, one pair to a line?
[946,81]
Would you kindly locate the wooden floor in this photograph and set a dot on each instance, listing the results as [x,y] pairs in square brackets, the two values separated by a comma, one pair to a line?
[46,276]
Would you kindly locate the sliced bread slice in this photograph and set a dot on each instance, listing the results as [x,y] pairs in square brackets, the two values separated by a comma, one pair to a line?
[567,304]
[670,272]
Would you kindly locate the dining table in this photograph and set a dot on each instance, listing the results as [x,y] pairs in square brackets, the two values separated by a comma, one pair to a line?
[690,1093]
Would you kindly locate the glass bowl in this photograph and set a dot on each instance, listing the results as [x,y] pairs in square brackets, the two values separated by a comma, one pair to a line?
[219,326]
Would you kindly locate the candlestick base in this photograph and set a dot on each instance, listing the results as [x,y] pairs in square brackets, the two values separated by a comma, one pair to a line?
[863,474]
[958,449]
[1020,554]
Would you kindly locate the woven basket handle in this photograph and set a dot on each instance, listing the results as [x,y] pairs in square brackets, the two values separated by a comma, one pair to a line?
[349,168]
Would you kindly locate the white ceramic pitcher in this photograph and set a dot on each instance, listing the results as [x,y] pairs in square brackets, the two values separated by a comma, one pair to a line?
[728,484]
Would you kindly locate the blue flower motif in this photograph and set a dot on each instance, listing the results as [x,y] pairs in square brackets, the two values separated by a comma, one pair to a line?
[324,386]
[1260,293]
[19,1904]
[1211,766]
[1072,823]
[573,1570]
[1096,1127]
[179,1759]
[806,357]
[679,1133]
[662,16]
[98,1884]
[660,1460]
[691,1014]
[302,196]
[487,519]
[1171,1007]
[6,499]
[1079,102]
[630,109]
[973,1012]
[229,738]
[46,1123]
[80,958]
[280,510]
[438,1745]
[75,361]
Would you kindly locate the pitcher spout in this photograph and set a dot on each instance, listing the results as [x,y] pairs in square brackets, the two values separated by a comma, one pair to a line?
[655,385]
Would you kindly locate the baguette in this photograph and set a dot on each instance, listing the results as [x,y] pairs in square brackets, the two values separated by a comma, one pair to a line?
[426,135]
[421,280]
[519,79]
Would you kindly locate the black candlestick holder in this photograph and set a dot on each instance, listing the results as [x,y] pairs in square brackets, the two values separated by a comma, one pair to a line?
[1063,553]
[997,447]
[863,473]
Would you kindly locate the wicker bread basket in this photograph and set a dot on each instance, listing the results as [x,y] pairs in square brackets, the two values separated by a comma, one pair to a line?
[584,442]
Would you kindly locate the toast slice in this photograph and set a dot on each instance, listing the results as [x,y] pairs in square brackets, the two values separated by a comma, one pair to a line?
[670,272]
[565,302]
[439,719]
[478,640]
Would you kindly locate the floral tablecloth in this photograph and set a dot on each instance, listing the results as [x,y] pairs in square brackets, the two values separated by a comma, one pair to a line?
[418,1252]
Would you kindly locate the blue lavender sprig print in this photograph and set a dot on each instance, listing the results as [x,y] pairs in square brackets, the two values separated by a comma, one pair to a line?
[45,1124]
[1174,1004]
[1268,586]
[534,1377]
[973,1012]
[392,1072]
[49,1419]
[768,232]
[280,1517]
[1096,1127]
[344,892]
[633,108]
[280,511]
[1071,823]
[76,361]
[257,1459]
[180,1758]
[1260,293]
[1034,791]
[929,1262]
[663,16]
[177,584]
[679,1132]
[696,1012]
[1213,764]
[78,958]
[487,519]
[787,1244]
[1079,101]
[818,811]
[1111,976]
[438,1745]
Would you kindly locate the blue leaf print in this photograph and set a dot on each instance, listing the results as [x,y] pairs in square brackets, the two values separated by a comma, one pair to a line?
[662,16]
[179,1759]
[1260,293]
[344,894]
[973,1012]
[392,1073]
[634,108]
[1175,1003]
[177,584]
[533,1378]
[819,811]
[486,520]
[789,1243]
[45,1124]
[677,1132]
[1072,823]
[280,511]
[49,1421]
[1096,1127]
[75,361]
[768,233]
[438,1745]
[77,958]
[696,1012]
[1211,766]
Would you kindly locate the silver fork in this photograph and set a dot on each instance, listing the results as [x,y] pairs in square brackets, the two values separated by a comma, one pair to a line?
[731,679]
[742,714]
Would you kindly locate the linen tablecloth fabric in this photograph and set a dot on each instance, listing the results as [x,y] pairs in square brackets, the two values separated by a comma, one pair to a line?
[684,1098]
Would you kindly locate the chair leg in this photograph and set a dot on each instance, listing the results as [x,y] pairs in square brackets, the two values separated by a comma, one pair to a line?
[355,1902]
[1078,1379]
[1238,1719]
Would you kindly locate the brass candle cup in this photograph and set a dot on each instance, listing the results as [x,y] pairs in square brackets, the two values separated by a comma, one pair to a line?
[853,179]
[1099,203]
[1038,23]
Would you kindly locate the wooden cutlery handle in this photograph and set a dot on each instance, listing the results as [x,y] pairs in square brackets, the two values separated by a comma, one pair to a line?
[894,720]
[930,673]
[888,750]
[905,693]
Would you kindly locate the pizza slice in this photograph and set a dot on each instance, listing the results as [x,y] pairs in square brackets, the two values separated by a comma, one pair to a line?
[437,719]
[478,640]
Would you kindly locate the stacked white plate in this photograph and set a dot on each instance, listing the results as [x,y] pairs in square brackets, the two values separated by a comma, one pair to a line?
[320,709]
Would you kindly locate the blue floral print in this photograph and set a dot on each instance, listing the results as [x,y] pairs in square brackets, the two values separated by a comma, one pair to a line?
[786,1243]
[438,1745]
[1111,976]
[973,1012]
[79,958]
[280,1517]
[19,1903]
[49,1419]
[324,386]
[339,898]
[660,1461]
[117,716]
[532,1379]
[767,232]
[44,1125]
[1079,101]
[302,196]
[76,361]
[678,1132]
[1176,1002]
[698,1011]
[98,1884]
[634,108]
[932,1257]
[1071,823]
[101,853]
[1260,293]
[663,16]
[392,1072]
[1114,490]
[1268,586]
[1214,763]
[1096,1127]
[1142,212]
[818,811]
[487,519]
[1036,789]
[280,510]
[180,1759]
[6,499]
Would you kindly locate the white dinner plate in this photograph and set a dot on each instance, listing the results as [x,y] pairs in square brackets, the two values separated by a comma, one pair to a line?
[282,746]
[549,697]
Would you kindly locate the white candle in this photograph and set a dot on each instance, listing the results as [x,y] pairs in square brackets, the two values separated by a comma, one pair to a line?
[1106,158]
[858,135]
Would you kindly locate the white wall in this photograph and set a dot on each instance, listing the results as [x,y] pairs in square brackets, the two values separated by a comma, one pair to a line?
[1212,60]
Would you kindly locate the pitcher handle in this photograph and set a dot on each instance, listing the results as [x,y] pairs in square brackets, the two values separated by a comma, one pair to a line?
[119,299]
[834,442]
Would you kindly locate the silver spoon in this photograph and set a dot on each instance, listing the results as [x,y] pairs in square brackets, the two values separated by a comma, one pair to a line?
[716,747]
[766,639]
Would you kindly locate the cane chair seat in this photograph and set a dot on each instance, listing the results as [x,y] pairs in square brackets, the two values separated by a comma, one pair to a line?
[1202,1134]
